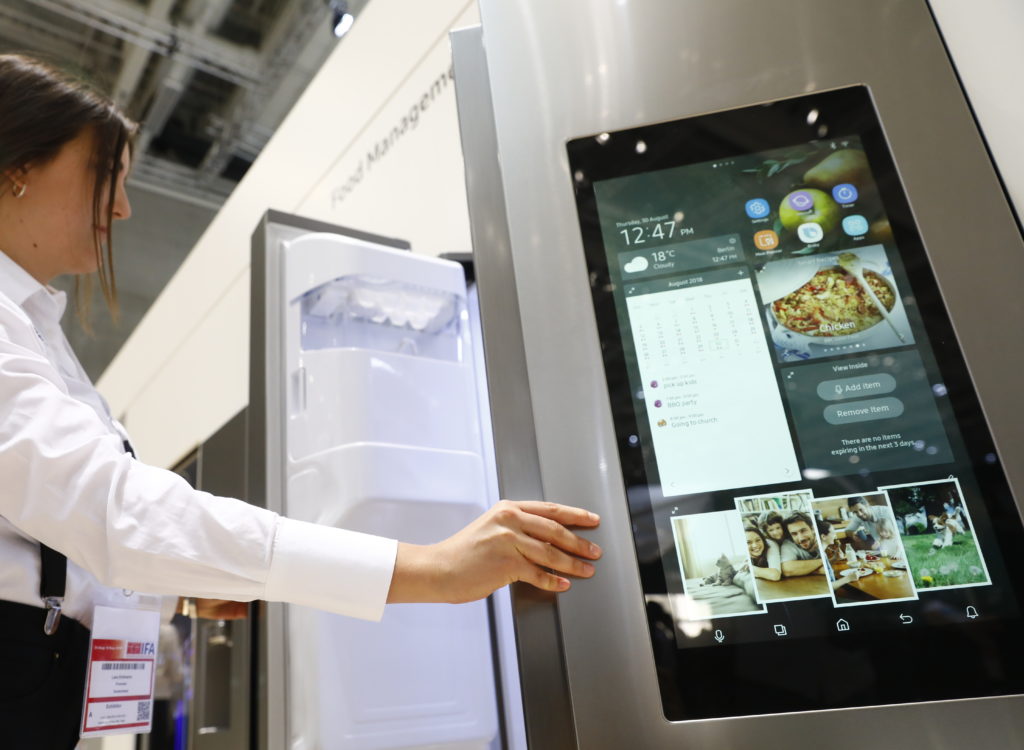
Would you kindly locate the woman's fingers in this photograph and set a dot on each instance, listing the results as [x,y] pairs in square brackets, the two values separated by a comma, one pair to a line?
[513,541]
[544,581]
[549,556]
[564,514]
[544,542]
[554,533]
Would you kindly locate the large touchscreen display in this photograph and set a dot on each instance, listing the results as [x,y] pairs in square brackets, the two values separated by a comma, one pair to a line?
[796,425]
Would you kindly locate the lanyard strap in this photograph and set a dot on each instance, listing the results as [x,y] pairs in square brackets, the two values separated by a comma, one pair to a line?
[54,575]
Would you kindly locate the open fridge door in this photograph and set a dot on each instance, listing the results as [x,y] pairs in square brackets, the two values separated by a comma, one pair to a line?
[372,425]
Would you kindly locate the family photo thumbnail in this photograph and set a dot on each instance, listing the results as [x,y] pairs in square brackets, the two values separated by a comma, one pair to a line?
[782,546]
[938,535]
[865,559]
[712,552]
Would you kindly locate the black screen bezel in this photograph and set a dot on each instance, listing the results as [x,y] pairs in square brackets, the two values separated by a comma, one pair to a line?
[735,680]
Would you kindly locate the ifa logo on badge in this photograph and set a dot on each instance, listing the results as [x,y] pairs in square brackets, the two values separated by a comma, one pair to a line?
[144,648]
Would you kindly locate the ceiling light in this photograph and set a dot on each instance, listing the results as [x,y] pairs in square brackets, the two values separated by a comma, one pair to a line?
[341,19]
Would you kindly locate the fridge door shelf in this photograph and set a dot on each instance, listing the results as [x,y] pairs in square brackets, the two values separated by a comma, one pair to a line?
[339,396]
[416,494]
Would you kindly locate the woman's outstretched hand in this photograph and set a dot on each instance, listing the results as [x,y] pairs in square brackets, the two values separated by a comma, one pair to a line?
[513,541]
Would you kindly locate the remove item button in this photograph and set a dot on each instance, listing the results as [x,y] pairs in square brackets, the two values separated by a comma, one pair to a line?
[858,386]
[864,411]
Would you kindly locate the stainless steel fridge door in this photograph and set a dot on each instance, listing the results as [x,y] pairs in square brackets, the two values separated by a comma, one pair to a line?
[540,73]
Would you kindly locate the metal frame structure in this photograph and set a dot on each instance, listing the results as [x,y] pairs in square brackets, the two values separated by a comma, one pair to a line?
[156,50]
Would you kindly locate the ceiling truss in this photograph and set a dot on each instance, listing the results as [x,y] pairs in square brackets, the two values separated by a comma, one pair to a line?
[189,70]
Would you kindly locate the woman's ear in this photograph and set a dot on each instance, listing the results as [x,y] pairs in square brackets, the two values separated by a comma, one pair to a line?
[16,175]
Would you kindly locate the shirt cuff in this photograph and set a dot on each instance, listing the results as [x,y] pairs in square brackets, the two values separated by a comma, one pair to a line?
[340,571]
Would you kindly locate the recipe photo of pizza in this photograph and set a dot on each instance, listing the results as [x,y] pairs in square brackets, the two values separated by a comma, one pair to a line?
[833,303]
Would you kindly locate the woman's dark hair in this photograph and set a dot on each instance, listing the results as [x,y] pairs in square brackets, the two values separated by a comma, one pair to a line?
[41,109]
[824,527]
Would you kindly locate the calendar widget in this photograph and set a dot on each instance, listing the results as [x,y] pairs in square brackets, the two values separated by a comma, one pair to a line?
[699,337]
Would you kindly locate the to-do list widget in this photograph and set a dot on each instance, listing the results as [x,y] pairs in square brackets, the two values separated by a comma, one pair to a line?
[709,384]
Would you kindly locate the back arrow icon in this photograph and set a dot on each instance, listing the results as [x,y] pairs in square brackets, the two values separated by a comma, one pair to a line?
[906,619]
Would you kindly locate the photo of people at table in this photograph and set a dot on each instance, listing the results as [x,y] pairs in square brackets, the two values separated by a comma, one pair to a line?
[782,547]
[864,555]
[937,534]
[716,573]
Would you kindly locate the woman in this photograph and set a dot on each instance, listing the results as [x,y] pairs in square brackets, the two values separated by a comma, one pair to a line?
[764,556]
[70,485]
[764,559]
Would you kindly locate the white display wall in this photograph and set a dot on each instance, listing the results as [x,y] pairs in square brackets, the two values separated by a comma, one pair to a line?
[372,144]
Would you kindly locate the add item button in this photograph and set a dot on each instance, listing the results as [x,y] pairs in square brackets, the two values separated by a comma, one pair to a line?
[864,411]
[856,387]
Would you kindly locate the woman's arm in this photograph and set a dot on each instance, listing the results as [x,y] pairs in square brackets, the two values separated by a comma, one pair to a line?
[768,574]
[848,576]
[69,484]
[510,542]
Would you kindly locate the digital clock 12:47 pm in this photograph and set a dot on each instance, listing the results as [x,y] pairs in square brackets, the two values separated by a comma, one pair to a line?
[641,232]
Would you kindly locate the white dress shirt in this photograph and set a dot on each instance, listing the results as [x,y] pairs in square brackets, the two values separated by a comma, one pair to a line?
[66,481]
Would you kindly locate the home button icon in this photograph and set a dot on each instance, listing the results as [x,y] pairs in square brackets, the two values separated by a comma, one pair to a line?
[842,625]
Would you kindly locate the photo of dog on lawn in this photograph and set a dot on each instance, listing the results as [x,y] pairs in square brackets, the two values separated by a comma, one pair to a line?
[935,527]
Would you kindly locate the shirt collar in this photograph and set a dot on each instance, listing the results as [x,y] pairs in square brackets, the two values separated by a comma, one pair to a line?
[19,286]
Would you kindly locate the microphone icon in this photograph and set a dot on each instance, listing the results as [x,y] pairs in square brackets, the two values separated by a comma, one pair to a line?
[719,636]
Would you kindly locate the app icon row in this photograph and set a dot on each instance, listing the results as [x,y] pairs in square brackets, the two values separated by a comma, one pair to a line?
[811,232]
[801,200]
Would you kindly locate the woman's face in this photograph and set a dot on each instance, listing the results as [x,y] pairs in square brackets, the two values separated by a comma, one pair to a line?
[55,231]
[829,537]
[755,544]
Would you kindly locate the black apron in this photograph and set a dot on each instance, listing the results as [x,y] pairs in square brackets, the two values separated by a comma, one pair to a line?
[43,658]
[42,679]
